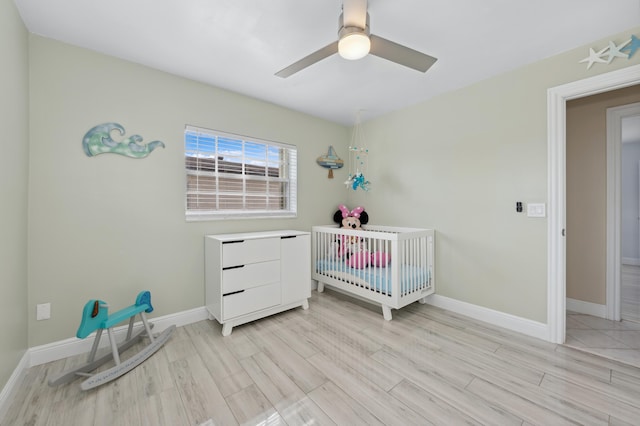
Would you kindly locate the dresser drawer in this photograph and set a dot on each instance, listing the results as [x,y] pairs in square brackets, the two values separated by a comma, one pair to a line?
[250,300]
[242,252]
[251,275]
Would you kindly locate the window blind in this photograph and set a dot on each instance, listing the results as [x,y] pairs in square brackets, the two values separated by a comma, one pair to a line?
[230,175]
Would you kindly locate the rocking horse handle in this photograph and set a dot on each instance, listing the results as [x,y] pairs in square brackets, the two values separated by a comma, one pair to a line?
[96,309]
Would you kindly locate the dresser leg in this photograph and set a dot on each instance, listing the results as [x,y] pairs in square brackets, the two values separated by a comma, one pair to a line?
[226,329]
[305,304]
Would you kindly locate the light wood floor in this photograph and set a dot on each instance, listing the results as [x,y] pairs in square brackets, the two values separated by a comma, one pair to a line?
[341,363]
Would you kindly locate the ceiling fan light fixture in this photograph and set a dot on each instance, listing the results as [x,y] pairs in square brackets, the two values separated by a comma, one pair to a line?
[354,45]
[355,41]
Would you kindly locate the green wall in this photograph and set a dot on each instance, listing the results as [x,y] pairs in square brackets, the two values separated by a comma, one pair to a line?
[109,226]
[460,162]
[14,162]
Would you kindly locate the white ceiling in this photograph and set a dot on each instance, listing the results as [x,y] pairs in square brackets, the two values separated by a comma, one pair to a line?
[239,44]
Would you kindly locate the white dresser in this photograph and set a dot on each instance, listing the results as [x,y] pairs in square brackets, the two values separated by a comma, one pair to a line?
[252,275]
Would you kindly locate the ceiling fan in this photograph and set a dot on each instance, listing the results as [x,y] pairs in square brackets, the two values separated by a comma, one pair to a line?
[355,42]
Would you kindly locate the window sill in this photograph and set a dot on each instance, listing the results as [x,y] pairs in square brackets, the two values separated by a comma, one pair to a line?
[201,217]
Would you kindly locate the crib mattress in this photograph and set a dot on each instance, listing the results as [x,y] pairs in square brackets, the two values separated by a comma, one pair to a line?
[412,278]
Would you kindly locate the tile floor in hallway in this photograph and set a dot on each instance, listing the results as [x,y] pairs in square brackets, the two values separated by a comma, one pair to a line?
[618,340]
[630,293]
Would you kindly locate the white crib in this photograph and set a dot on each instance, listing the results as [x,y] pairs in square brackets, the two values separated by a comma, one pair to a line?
[393,266]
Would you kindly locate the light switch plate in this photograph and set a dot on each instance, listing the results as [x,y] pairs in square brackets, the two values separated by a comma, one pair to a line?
[536,210]
[43,311]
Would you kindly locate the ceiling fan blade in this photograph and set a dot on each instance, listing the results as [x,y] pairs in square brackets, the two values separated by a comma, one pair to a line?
[303,63]
[400,54]
[355,13]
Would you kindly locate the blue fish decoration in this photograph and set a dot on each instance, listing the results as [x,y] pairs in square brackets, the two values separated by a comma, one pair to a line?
[98,140]
[358,181]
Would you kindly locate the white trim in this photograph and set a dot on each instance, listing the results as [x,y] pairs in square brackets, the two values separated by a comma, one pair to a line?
[631,261]
[501,319]
[556,249]
[614,160]
[587,308]
[10,388]
[556,166]
[73,346]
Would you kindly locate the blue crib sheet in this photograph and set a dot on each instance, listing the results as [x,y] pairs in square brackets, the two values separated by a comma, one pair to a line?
[411,277]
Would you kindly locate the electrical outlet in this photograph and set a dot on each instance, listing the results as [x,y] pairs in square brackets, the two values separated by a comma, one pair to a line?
[43,311]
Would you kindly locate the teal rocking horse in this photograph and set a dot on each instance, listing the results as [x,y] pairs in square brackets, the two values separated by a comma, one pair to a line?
[95,317]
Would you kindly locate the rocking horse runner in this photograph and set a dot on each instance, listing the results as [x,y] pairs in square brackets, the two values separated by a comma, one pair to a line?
[95,318]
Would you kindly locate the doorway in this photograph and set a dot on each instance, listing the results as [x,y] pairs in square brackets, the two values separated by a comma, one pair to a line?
[556,253]
[602,185]
[623,200]
[629,120]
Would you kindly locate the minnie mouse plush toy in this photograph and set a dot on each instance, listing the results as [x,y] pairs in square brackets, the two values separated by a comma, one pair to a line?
[350,219]
[352,248]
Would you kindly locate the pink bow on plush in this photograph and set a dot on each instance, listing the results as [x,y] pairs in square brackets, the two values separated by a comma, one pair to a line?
[353,213]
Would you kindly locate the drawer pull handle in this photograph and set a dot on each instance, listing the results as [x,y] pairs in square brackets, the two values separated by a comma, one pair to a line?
[233,292]
[233,242]
[226,268]
[288,236]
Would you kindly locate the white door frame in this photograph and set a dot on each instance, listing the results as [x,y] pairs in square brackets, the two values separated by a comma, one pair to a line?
[614,205]
[557,98]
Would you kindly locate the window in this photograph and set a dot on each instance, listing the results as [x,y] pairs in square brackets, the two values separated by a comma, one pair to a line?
[231,176]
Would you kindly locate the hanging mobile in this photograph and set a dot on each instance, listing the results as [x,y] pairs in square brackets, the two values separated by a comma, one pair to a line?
[358,159]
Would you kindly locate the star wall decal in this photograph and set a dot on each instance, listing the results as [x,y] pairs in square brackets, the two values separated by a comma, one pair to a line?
[633,47]
[612,51]
[594,57]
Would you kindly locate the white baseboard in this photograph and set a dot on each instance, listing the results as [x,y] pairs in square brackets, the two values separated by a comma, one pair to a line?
[630,261]
[511,322]
[9,389]
[587,308]
[73,346]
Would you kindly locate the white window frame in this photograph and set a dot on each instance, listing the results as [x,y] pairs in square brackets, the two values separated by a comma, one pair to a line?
[195,150]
